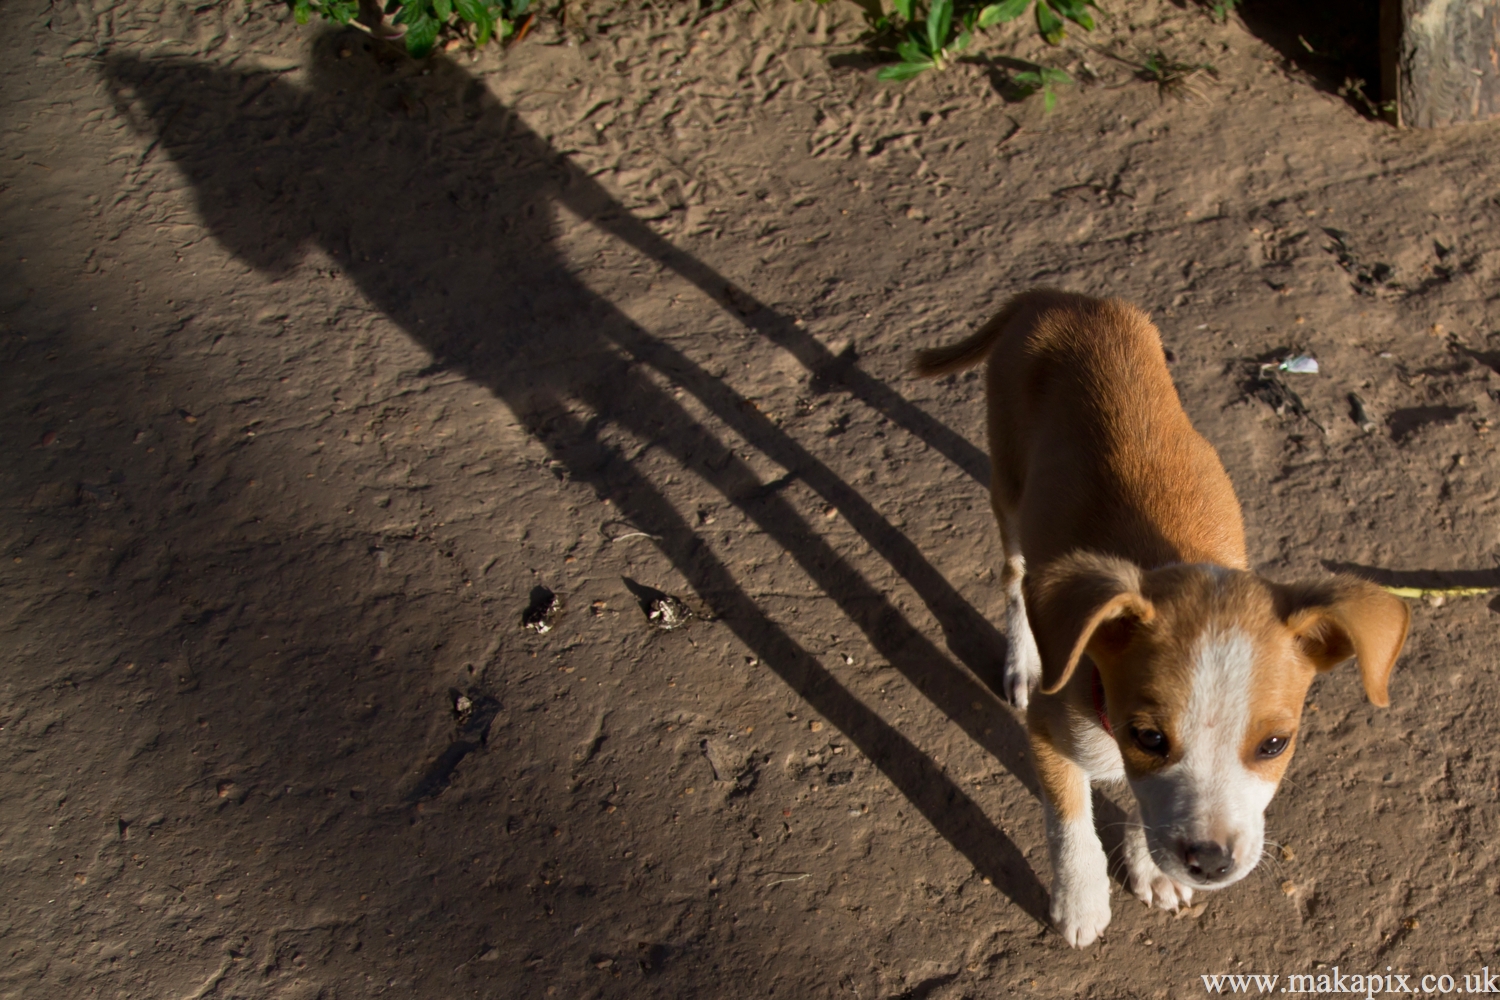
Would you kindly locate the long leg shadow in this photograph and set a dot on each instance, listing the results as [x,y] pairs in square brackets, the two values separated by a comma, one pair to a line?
[446,223]
[1424,579]
[1421,578]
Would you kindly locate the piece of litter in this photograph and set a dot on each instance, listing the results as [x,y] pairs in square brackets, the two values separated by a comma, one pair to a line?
[542,613]
[667,612]
[1300,364]
[1360,414]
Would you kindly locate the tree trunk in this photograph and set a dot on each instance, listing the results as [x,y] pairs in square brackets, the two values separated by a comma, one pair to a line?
[1440,61]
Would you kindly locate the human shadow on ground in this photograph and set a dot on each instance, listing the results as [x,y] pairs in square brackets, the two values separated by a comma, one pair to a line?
[446,222]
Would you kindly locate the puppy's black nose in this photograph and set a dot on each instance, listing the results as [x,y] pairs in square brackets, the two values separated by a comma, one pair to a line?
[1207,861]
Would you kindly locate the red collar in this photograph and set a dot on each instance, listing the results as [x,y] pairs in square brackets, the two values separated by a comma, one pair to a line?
[1099,707]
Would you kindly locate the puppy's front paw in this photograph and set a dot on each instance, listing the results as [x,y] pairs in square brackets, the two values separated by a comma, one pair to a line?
[1146,881]
[1080,913]
[1156,888]
[1023,669]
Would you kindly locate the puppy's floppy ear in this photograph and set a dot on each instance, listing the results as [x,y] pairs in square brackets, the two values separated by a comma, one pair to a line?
[1344,618]
[1082,603]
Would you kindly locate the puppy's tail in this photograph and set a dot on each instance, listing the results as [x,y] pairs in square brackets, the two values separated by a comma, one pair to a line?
[934,361]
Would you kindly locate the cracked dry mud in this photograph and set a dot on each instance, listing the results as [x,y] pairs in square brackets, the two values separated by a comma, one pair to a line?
[317,364]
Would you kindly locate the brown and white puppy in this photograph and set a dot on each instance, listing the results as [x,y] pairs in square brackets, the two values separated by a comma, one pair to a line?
[1155,655]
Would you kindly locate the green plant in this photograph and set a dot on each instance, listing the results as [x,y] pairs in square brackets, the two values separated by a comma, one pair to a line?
[424,20]
[941,36]
[342,11]
[1220,10]
[930,47]
[1170,76]
[1353,91]
[1050,15]
[1043,78]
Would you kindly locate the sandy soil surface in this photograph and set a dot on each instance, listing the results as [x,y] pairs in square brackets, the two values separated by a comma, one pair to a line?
[318,363]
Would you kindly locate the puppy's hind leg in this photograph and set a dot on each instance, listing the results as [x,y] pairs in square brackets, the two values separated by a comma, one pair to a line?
[1023,664]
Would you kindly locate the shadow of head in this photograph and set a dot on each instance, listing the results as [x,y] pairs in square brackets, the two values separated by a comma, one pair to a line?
[425,191]
[371,156]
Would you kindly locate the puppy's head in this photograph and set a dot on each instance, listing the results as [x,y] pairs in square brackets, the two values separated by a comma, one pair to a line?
[1204,671]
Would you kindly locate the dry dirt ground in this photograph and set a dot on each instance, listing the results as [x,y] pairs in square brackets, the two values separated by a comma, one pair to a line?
[316,363]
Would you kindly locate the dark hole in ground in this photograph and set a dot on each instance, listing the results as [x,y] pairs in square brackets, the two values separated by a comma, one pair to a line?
[1336,43]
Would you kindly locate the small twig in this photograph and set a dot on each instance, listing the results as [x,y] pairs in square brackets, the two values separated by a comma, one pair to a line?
[525,27]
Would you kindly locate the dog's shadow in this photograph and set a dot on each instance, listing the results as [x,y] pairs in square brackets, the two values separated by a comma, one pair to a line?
[439,203]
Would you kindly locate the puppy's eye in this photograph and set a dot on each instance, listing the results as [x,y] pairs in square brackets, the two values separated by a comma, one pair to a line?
[1271,746]
[1150,740]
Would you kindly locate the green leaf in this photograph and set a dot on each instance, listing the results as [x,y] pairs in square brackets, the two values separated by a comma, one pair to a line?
[905,8]
[486,29]
[910,50]
[1051,75]
[939,20]
[961,42]
[1028,80]
[1076,11]
[904,70]
[473,11]
[443,9]
[1049,100]
[1049,24]
[519,7]
[999,13]
[302,10]
[421,34]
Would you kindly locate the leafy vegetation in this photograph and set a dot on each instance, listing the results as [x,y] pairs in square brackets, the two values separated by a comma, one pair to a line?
[932,41]
[1220,10]
[921,38]
[1171,76]
[421,21]
[1043,79]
